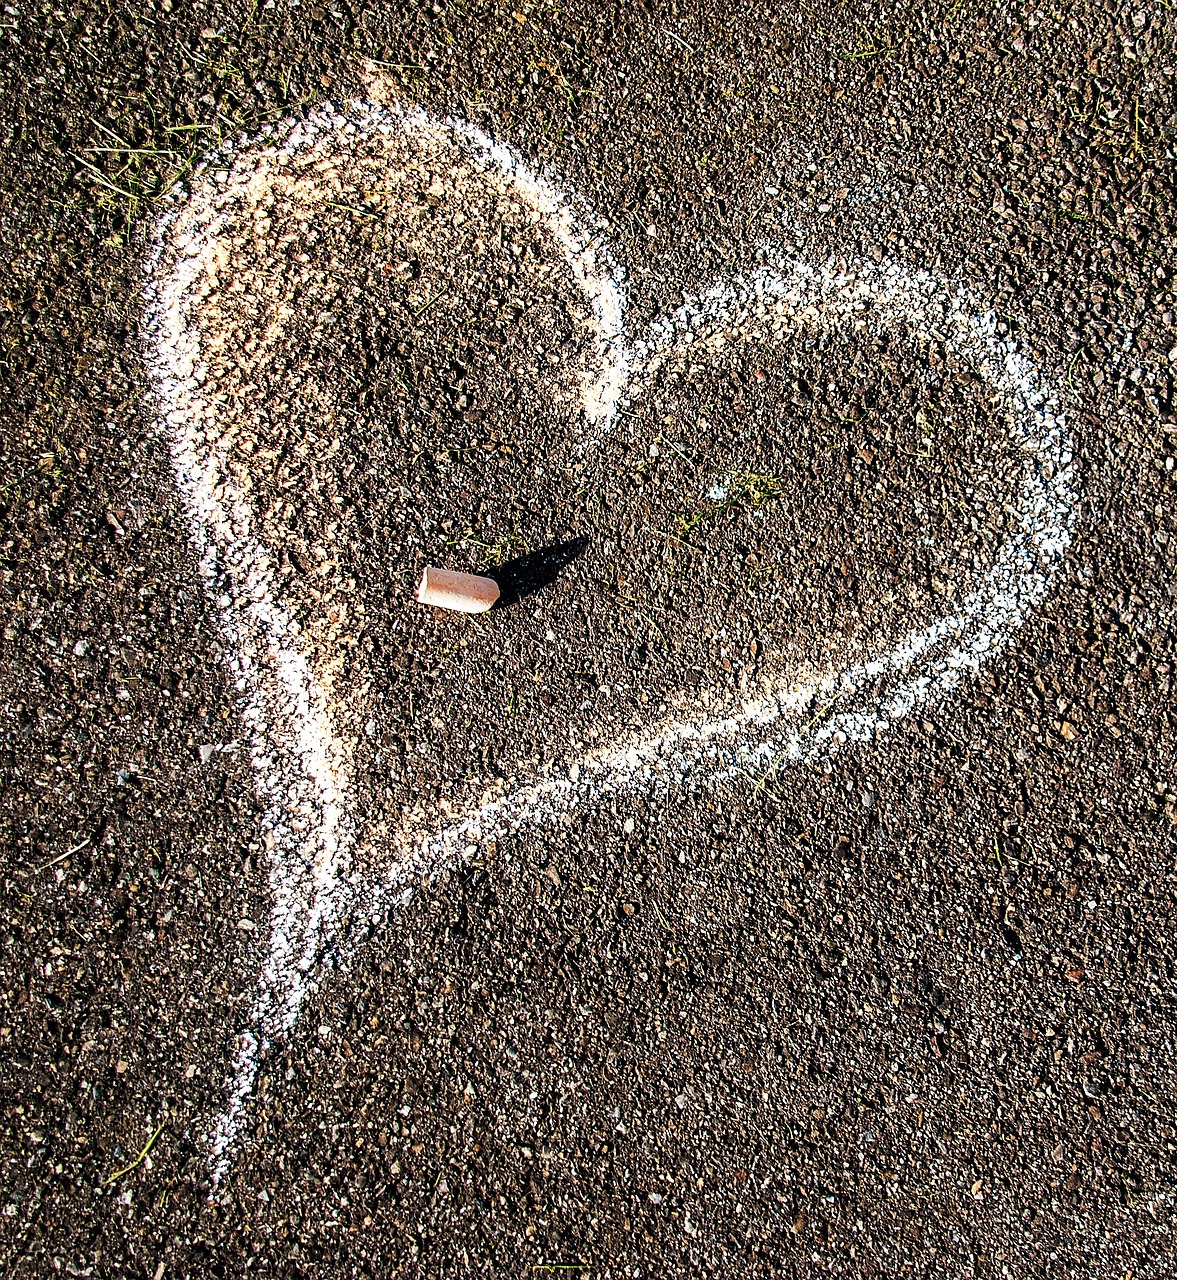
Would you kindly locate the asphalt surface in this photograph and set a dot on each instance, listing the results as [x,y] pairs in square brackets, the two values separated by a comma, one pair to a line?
[910,1011]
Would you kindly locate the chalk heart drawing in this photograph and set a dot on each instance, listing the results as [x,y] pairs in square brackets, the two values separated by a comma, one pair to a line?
[300,755]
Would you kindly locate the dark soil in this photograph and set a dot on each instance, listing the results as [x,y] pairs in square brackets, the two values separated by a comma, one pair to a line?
[911,1014]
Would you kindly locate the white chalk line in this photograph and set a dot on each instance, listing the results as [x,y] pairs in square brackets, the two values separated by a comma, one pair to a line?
[301,763]
[795,293]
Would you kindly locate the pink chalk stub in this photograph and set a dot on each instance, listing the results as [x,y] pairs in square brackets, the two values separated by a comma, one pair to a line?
[464,592]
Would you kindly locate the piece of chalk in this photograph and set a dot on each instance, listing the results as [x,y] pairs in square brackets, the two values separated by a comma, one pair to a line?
[465,592]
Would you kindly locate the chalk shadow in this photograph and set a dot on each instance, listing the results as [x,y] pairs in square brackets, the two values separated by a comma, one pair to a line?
[525,575]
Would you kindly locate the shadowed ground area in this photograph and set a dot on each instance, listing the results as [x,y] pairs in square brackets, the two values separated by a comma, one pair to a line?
[525,575]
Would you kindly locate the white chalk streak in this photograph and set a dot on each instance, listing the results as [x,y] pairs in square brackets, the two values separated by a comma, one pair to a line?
[864,701]
[303,765]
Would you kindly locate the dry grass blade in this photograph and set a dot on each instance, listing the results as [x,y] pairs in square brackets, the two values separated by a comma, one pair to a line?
[138,1160]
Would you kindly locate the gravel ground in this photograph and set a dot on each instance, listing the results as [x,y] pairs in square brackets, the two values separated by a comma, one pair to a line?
[909,1011]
